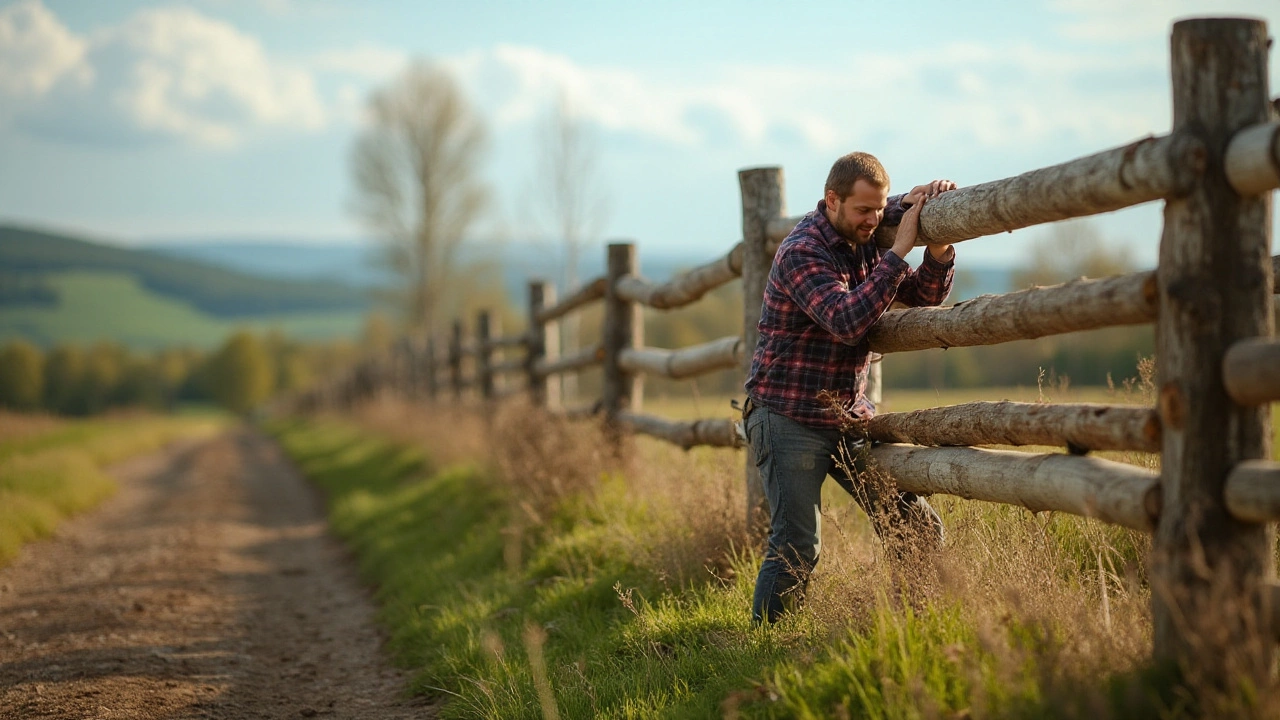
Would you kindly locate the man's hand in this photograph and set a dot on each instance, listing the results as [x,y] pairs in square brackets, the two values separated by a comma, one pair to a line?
[915,200]
[919,192]
[907,228]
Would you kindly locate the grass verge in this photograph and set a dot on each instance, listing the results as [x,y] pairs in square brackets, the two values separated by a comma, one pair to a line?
[51,469]
[551,582]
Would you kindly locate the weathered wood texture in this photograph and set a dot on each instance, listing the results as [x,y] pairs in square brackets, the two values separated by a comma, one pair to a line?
[763,202]
[722,354]
[588,293]
[506,367]
[455,358]
[1207,565]
[685,288]
[484,353]
[1035,312]
[544,348]
[1080,427]
[1253,159]
[584,358]
[1145,170]
[1251,371]
[1253,491]
[716,432]
[1110,491]
[507,342]
[623,329]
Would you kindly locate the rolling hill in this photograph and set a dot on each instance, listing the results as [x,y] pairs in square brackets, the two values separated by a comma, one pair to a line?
[55,288]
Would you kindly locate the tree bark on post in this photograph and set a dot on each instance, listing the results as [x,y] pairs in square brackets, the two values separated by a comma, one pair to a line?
[455,359]
[433,385]
[544,344]
[1214,278]
[623,328]
[484,354]
[762,201]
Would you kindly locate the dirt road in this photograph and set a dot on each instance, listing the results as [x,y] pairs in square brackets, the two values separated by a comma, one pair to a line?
[207,588]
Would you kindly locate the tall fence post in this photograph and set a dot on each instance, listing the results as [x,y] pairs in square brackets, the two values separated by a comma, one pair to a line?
[455,359]
[433,384]
[623,328]
[544,344]
[1208,610]
[484,354]
[762,201]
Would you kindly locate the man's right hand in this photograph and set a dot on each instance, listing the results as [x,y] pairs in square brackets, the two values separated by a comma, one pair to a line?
[907,228]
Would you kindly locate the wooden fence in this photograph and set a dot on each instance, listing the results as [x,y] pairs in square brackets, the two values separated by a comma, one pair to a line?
[1212,301]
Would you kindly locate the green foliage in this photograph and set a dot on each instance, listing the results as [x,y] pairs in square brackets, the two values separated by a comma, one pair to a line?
[241,374]
[21,376]
[64,372]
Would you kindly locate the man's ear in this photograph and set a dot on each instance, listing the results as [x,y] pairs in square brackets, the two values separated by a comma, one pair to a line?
[830,197]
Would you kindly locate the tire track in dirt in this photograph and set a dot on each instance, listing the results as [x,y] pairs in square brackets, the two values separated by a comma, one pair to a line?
[207,588]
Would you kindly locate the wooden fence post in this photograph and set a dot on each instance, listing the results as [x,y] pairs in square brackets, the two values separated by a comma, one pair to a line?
[484,354]
[544,344]
[433,385]
[455,359]
[623,328]
[762,201]
[1207,606]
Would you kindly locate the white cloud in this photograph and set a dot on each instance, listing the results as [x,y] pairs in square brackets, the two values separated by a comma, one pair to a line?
[365,62]
[35,50]
[165,73]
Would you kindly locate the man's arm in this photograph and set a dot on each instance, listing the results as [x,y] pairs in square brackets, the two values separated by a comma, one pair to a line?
[806,275]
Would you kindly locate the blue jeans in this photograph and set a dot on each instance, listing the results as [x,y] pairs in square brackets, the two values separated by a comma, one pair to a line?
[794,460]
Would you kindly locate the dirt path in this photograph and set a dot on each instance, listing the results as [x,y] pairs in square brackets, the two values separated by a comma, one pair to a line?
[207,588]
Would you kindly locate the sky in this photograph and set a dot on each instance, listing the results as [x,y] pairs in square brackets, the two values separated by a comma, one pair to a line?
[135,122]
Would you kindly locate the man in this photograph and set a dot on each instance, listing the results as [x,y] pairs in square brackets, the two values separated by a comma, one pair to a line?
[829,284]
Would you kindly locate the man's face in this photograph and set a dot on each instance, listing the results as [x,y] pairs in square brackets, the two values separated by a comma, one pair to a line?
[857,216]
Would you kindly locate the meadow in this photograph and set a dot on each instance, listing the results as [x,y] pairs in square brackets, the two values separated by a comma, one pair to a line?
[53,468]
[526,569]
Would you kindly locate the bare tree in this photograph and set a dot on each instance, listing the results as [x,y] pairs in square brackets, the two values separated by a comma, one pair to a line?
[568,179]
[416,175]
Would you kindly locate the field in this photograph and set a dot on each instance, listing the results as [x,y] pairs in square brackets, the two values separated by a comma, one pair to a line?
[100,305]
[51,469]
[536,574]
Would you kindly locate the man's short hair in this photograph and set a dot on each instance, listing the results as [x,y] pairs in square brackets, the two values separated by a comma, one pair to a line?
[854,167]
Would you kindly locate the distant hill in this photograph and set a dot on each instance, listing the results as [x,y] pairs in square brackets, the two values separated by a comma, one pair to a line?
[212,289]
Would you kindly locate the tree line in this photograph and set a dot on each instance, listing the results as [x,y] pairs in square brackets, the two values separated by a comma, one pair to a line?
[241,374]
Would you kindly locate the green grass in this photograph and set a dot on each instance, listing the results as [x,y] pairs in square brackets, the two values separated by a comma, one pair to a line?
[480,610]
[50,475]
[114,306]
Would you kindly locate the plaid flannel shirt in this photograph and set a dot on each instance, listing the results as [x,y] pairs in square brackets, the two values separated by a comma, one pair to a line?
[822,297]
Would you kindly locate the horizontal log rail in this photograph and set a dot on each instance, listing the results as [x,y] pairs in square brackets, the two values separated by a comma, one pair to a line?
[686,287]
[1022,315]
[1251,371]
[715,432]
[1080,427]
[589,292]
[1149,169]
[722,354]
[585,357]
[509,366]
[1252,491]
[1091,487]
[507,342]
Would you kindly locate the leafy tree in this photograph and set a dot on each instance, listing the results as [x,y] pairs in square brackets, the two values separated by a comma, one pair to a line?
[104,366]
[64,370]
[21,376]
[416,169]
[241,374]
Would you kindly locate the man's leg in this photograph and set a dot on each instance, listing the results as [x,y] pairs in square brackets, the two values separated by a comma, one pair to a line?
[903,520]
[793,461]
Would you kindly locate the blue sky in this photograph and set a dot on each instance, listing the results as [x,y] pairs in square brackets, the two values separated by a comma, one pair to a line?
[135,121]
